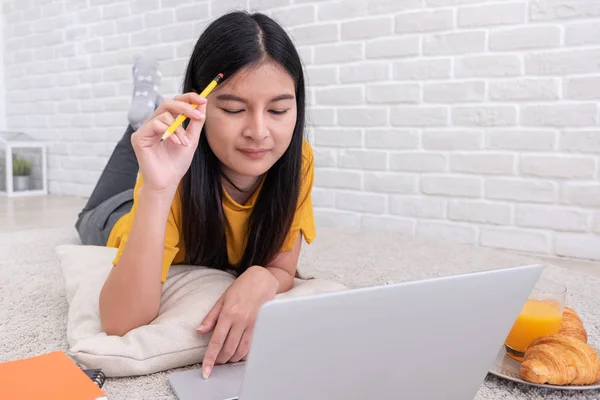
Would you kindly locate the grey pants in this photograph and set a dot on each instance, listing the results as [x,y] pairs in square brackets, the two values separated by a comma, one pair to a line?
[113,195]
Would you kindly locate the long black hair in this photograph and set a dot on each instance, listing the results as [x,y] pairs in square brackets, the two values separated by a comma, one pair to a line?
[234,41]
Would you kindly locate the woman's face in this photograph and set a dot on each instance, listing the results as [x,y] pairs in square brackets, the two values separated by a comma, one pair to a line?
[250,120]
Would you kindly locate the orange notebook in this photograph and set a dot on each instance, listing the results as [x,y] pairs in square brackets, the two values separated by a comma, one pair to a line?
[51,376]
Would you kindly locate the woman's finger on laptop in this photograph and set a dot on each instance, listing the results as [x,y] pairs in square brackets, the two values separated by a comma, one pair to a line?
[215,345]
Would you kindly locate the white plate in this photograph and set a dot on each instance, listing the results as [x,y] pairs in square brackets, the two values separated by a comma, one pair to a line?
[507,368]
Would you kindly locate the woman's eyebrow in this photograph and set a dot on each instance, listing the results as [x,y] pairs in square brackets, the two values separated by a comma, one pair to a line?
[284,96]
[232,97]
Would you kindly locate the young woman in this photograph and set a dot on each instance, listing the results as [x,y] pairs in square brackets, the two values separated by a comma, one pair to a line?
[231,189]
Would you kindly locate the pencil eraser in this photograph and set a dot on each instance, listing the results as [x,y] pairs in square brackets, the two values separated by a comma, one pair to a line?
[221,75]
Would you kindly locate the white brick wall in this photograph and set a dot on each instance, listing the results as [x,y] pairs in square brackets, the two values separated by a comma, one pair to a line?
[470,120]
[2,81]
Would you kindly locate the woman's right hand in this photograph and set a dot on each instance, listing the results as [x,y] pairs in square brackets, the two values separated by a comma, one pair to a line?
[163,164]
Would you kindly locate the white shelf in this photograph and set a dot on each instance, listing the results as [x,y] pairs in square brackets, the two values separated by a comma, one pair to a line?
[9,141]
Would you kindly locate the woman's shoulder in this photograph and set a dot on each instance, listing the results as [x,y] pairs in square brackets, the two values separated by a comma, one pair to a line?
[307,170]
[307,154]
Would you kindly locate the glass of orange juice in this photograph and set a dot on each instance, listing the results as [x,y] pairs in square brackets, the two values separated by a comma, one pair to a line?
[541,315]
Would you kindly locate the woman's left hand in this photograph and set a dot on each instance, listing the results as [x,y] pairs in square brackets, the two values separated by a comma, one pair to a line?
[233,316]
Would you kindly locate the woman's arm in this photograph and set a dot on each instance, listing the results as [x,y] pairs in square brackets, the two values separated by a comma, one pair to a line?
[283,267]
[132,292]
[232,317]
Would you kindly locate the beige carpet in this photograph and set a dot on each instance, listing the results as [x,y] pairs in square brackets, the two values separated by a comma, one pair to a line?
[33,306]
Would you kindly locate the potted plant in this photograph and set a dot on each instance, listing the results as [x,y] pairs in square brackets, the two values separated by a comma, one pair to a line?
[21,174]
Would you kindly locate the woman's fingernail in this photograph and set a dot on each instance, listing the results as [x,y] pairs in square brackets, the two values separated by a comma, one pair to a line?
[176,139]
[206,372]
[198,114]
[200,328]
[186,141]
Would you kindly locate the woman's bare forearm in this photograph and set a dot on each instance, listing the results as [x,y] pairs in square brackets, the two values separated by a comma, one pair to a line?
[131,295]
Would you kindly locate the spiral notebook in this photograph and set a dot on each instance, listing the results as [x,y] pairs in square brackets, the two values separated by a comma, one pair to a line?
[51,376]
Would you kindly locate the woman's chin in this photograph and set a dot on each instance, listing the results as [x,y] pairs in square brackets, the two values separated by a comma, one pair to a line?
[253,167]
[256,172]
[253,170]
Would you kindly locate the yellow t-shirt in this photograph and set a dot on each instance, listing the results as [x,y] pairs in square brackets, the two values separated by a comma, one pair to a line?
[236,215]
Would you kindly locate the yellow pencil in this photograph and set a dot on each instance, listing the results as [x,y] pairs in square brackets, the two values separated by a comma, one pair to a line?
[179,120]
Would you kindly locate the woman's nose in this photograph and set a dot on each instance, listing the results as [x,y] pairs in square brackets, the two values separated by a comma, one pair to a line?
[256,128]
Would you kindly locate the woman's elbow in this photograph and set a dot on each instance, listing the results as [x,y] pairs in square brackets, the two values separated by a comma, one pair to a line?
[114,324]
[113,329]
[115,320]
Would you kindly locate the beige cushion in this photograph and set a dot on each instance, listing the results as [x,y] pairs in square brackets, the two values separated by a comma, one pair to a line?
[170,340]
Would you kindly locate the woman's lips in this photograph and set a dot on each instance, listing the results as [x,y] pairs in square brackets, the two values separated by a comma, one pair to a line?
[254,153]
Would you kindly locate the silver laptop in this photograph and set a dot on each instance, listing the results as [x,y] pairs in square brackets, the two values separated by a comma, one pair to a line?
[427,339]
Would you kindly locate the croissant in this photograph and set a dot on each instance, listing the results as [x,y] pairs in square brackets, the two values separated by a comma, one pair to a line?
[560,360]
[572,325]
